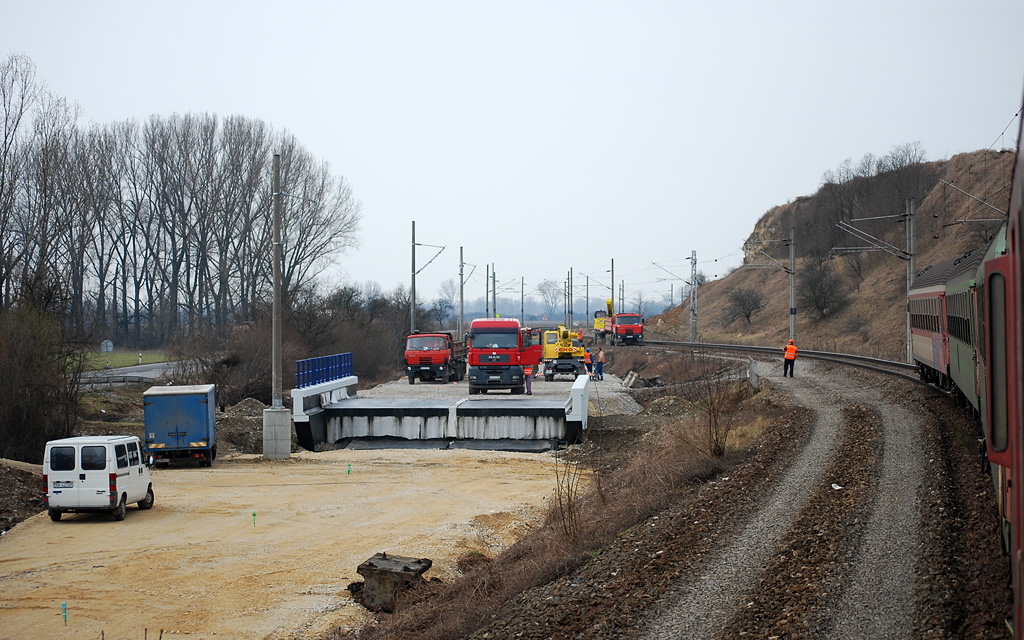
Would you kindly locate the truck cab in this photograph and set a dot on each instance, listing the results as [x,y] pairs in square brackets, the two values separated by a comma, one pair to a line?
[499,348]
[434,356]
[95,473]
[627,328]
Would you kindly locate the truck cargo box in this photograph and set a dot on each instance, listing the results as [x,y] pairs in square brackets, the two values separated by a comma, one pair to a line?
[181,423]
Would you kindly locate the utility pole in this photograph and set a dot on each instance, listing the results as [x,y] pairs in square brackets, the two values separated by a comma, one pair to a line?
[462,292]
[522,299]
[277,422]
[487,291]
[877,244]
[792,285]
[588,299]
[412,297]
[571,313]
[612,288]
[494,290]
[693,296]
[565,302]
[276,348]
[911,270]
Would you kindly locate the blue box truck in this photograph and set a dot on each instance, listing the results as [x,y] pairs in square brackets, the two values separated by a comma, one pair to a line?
[181,423]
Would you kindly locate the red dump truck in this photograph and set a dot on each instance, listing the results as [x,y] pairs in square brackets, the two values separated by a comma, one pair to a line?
[627,328]
[499,348]
[434,356]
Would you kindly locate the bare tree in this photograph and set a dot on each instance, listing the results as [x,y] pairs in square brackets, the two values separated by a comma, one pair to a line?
[902,169]
[449,292]
[745,302]
[321,219]
[639,302]
[551,293]
[714,394]
[440,311]
[855,265]
[822,289]
[18,94]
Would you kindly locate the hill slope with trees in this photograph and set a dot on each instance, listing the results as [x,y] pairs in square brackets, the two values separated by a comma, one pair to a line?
[848,299]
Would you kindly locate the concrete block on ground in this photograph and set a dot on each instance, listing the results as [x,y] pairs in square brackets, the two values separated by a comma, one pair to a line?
[385,578]
[277,433]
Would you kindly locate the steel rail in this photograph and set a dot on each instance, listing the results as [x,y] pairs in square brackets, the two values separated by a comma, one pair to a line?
[873,364]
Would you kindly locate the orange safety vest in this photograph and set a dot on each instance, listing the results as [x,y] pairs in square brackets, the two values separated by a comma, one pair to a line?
[790,352]
[586,358]
[527,370]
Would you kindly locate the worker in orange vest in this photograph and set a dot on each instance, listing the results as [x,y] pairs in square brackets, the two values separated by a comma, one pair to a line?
[588,361]
[528,374]
[789,358]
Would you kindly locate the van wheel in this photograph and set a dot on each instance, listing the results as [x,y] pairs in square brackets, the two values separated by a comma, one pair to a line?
[54,515]
[120,510]
[147,502]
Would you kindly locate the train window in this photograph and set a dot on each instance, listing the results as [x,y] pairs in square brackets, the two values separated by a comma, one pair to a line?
[982,330]
[997,412]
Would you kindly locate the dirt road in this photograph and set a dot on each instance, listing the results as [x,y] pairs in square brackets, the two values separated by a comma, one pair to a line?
[197,565]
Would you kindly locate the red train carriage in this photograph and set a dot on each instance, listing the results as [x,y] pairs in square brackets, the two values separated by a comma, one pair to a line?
[1010,267]
[929,341]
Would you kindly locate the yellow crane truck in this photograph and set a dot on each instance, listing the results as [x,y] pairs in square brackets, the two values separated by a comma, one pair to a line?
[563,353]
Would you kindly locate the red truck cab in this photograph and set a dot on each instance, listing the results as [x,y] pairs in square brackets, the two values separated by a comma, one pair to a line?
[627,328]
[434,356]
[499,348]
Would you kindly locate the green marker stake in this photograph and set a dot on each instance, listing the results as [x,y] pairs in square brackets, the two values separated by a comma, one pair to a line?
[350,468]
[64,611]
[254,518]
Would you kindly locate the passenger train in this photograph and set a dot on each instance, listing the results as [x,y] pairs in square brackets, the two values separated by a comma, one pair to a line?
[965,317]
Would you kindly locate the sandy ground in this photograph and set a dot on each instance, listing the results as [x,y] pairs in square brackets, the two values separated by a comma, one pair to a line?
[196,565]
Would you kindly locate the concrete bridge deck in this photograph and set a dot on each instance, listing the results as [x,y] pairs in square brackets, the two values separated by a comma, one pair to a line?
[497,420]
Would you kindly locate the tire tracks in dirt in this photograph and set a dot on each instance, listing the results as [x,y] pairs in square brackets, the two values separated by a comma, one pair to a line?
[816,560]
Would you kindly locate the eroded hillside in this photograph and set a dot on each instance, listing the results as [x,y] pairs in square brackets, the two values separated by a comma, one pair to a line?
[957,209]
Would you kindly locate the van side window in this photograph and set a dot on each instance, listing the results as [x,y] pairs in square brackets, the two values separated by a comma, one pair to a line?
[94,458]
[121,453]
[133,454]
[62,459]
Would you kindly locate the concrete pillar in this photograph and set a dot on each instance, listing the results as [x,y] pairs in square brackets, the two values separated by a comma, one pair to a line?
[277,433]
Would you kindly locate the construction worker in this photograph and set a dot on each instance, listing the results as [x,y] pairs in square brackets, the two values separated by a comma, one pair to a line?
[528,374]
[789,358]
[589,363]
[599,364]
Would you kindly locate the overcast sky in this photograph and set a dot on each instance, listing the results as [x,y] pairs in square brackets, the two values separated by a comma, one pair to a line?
[544,136]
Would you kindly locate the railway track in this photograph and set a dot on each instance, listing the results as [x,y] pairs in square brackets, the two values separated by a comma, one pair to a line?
[898,369]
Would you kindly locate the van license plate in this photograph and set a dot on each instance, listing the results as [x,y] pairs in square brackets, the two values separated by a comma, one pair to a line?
[63,484]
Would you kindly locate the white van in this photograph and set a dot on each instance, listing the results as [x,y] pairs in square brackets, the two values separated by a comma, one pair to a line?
[95,473]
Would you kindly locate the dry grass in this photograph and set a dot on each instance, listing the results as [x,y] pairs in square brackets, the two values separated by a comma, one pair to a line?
[646,484]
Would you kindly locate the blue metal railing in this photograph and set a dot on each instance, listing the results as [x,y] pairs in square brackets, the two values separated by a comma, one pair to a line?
[323,369]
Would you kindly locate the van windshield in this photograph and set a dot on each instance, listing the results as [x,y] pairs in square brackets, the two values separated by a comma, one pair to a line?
[62,459]
[94,458]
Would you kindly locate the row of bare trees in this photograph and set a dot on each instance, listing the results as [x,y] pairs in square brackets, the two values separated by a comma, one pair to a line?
[146,231]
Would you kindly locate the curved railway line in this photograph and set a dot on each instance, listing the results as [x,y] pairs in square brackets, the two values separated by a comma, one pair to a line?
[898,369]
